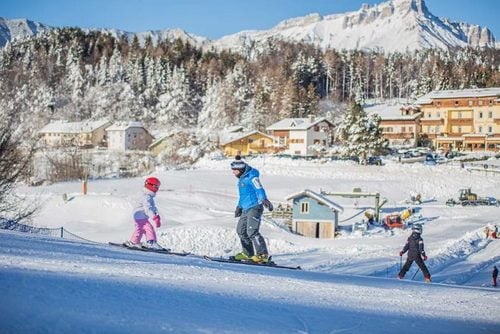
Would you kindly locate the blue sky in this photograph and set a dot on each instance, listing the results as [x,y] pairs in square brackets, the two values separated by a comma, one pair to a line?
[216,18]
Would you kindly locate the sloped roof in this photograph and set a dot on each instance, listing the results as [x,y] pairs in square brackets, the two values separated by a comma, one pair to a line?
[246,135]
[124,126]
[73,127]
[391,111]
[296,123]
[320,198]
[458,93]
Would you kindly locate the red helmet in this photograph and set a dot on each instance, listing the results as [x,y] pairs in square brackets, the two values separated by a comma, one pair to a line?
[152,183]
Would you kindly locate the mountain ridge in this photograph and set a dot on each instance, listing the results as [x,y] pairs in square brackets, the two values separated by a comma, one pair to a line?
[394,25]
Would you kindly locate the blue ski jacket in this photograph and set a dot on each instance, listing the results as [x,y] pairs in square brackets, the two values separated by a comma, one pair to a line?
[250,189]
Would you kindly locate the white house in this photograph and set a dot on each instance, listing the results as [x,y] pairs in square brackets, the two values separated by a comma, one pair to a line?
[79,134]
[302,136]
[128,136]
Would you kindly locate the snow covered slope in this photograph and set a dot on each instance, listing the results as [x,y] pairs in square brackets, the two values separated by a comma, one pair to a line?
[348,283]
[395,25]
[18,29]
[59,286]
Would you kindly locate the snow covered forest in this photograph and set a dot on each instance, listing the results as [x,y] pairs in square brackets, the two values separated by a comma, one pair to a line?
[72,74]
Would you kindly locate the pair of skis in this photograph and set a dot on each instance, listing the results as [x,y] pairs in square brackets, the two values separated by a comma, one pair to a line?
[249,262]
[145,249]
[208,258]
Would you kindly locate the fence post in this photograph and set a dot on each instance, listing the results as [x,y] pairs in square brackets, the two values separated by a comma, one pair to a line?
[62,232]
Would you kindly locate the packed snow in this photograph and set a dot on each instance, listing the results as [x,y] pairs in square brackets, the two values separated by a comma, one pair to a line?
[346,285]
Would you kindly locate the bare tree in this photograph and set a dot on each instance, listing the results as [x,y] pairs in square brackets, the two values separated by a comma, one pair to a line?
[15,166]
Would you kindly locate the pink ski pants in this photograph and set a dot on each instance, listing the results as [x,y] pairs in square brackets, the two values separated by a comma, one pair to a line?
[143,227]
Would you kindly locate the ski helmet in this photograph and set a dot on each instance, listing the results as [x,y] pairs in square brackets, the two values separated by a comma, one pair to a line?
[152,183]
[417,228]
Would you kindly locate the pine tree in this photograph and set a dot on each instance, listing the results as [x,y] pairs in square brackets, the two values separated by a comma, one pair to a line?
[175,105]
[360,133]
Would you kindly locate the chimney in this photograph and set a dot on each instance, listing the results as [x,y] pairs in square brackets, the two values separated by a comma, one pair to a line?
[311,118]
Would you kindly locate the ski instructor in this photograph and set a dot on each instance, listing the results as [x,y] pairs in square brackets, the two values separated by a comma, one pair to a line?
[251,203]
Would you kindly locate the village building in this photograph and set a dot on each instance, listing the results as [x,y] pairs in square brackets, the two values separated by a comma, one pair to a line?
[314,215]
[254,142]
[466,120]
[160,144]
[128,136]
[399,125]
[302,136]
[85,134]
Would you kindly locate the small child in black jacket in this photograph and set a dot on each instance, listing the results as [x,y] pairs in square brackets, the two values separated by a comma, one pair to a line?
[415,248]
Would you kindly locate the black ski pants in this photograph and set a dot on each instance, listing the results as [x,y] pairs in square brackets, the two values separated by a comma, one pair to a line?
[419,261]
[248,231]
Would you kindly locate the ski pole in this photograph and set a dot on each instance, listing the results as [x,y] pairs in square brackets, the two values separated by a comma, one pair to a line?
[416,272]
[400,262]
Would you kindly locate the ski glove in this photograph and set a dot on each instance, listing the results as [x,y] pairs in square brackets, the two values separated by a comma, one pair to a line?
[425,257]
[268,204]
[157,220]
[401,253]
[238,212]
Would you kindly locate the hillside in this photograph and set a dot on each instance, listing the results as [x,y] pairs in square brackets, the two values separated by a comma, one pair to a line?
[58,286]
[347,284]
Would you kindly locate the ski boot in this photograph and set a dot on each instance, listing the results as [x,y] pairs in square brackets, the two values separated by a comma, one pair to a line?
[241,256]
[261,258]
[151,244]
[130,244]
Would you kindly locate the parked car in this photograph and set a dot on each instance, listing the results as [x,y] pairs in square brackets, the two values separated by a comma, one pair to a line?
[374,160]
[429,160]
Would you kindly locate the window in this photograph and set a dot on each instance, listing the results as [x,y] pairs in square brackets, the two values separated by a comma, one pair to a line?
[460,115]
[439,114]
[403,129]
[490,114]
[456,103]
[436,129]
[491,102]
[480,129]
[316,128]
[490,129]
[480,114]
[304,207]
[459,129]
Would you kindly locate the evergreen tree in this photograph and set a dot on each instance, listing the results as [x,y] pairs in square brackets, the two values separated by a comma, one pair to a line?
[360,133]
[175,105]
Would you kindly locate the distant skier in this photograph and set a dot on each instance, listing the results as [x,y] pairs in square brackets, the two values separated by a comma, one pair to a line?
[144,210]
[251,203]
[415,248]
[495,275]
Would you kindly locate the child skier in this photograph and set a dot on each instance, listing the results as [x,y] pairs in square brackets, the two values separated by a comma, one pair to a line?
[415,248]
[250,207]
[145,209]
